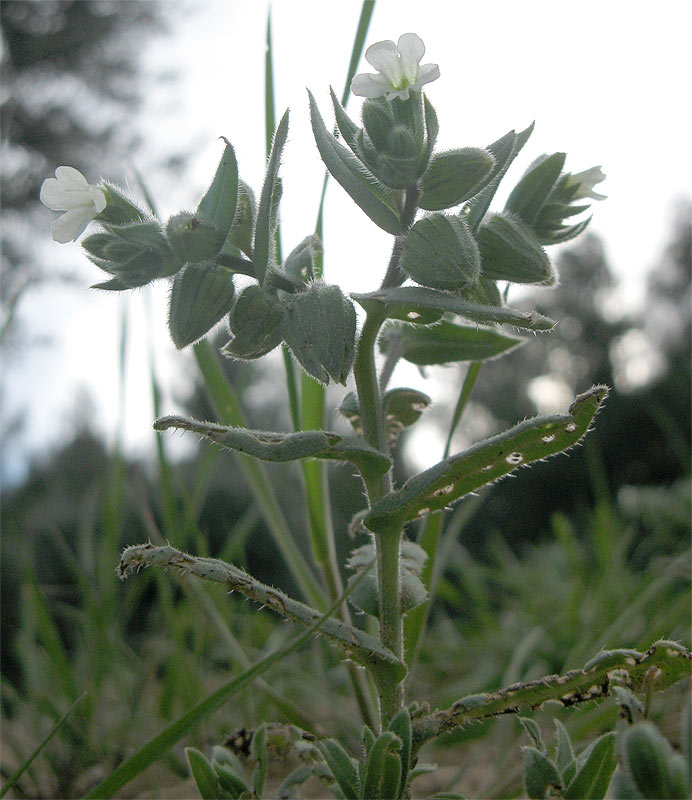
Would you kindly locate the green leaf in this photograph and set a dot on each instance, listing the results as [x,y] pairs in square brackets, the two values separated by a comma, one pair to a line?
[401,725]
[531,727]
[267,211]
[256,321]
[200,296]
[378,780]
[446,342]
[504,151]
[240,235]
[510,251]
[455,176]
[485,462]
[204,775]
[405,301]
[530,194]
[280,447]
[353,177]
[259,753]
[540,774]
[217,207]
[439,251]
[564,755]
[402,408]
[592,779]
[295,778]
[432,128]
[320,329]
[342,767]
[300,261]
[347,127]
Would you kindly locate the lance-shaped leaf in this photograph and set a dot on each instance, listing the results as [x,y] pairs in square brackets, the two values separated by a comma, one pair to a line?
[439,251]
[405,301]
[504,151]
[455,176]
[268,209]
[510,251]
[200,296]
[342,766]
[347,127]
[595,773]
[530,194]
[446,342]
[402,408]
[432,128]
[299,263]
[359,645]
[401,726]
[320,329]
[347,170]
[382,772]
[485,462]
[217,207]
[256,322]
[269,446]
[240,235]
[202,772]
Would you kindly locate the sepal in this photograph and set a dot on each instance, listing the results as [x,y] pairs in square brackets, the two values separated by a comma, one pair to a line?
[201,295]
[510,251]
[455,176]
[256,323]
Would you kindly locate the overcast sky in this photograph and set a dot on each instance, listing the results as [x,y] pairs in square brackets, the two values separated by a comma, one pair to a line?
[606,82]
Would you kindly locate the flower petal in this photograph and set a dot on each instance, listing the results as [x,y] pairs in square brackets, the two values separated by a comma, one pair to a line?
[71,224]
[100,201]
[411,49]
[53,195]
[426,74]
[367,85]
[71,179]
[384,56]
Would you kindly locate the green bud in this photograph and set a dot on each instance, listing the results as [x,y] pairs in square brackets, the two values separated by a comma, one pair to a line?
[320,330]
[510,251]
[439,251]
[455,176]
[256,322]
[191,238]
[135,254]
[200,296]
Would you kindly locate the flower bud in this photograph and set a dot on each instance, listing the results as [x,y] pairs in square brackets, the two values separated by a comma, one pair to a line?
[191,238]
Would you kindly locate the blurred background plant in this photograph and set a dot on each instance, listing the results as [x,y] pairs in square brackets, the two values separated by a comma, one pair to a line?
[596,553]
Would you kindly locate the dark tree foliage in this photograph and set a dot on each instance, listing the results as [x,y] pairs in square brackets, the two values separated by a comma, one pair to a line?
[70,77]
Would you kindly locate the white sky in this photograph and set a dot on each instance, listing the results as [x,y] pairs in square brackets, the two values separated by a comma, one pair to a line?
[607,82]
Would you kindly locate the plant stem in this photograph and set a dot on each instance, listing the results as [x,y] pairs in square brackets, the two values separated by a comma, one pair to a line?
[386,545]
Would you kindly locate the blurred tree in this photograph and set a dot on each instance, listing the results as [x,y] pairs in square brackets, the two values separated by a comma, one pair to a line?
[71,83]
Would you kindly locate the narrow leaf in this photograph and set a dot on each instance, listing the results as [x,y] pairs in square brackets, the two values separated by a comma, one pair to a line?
[217,207]
[540,773]
[352,175]
[530,194]
[592,780]
[402,302]
[342,767]
[267,210]
[401,725]
[485,462]
[504,150]
[204,775]
[259,753]
[375,766]
[446,342]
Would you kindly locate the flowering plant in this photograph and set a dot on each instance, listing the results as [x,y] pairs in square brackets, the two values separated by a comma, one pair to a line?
[441,299]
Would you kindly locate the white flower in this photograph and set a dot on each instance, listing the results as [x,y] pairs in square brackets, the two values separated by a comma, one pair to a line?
[70,192]
[585,181]
[399,69]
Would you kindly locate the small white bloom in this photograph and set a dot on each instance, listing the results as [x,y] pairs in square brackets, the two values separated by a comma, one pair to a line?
[70,192]
[399,69]
[586,180]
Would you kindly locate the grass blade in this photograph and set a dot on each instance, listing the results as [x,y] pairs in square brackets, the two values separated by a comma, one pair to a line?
[22,769]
